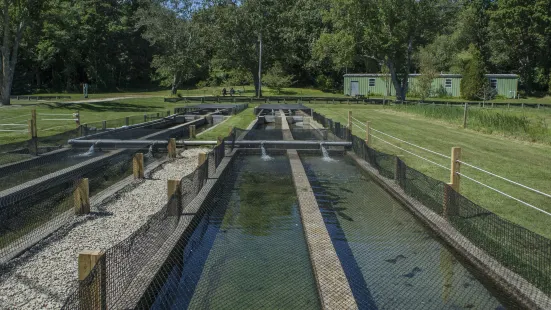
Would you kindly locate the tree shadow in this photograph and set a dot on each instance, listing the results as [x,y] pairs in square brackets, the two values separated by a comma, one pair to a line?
[106,106]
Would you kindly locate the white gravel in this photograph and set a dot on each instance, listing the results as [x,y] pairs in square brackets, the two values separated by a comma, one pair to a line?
[45,278]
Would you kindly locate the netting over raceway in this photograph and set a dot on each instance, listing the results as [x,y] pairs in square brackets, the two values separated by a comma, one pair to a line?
[516,248]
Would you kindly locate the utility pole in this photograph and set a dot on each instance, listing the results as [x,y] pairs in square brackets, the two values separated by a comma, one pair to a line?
[259,66]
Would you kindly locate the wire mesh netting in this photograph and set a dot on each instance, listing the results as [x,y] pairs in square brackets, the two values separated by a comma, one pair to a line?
[516,248]
[122,262]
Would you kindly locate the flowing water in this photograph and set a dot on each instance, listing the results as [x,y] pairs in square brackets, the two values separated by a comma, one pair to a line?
[265,156]
[248,251]
[325,154]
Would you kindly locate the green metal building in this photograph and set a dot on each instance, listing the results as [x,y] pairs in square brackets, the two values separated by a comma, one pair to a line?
[445,85]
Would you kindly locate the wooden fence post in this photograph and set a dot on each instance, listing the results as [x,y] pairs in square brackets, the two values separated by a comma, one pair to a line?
[173,196]
[33,134]
[350,120]
[367,134]
[82,197]
[93,294]
[399,173]
[127,121]
[465,113]
[103,125]
[145,118]
[172,148]
[137,163]
[455,179]
[192,132]
[202,157]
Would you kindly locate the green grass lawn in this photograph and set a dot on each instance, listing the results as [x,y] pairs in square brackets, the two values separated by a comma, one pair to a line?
[521,161]
[90,112]
[241,120]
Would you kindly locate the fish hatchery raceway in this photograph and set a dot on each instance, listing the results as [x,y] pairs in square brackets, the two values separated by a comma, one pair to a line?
[42,277]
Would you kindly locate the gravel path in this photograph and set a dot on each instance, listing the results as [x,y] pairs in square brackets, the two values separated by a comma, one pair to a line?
[43,279]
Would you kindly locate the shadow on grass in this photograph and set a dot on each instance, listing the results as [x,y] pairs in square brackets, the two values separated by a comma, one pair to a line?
[107,106]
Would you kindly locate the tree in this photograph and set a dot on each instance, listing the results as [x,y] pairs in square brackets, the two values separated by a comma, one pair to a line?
[473,80]
[170,26]
[388,32]
[276,78]
[16,17]
[520,41]
[485,92]
[428,74]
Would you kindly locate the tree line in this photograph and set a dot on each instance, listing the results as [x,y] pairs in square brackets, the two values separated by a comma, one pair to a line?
[57,45]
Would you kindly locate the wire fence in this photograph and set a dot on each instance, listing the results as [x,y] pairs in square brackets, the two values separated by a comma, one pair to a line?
[108,281]
[518,249]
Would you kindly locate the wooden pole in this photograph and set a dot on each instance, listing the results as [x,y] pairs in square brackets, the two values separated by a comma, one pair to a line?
[127,121]
[93,292]
[145,118]
[103,125]
[138,166]
[367,134]
[33,133]
[202,157]
[350,121]
[82,197]
[455,168]
[172,148]
[465,114]
[192,132]
[173,196]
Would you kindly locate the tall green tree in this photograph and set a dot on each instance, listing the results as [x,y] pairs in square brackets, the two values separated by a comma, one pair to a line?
[17,15]
[387,31]
[520,43]
[473,80]
[170,26]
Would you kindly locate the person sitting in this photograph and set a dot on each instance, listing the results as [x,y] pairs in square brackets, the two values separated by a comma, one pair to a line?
[232,91]
[224,92]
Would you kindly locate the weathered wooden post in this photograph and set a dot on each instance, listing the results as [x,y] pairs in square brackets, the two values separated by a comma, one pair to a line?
[168,113]
[145,118]
[92,292]
[192,132]
[202,157]
[82,197]
[33,134]
[399,172]
[103,125]
[367,134]
[350,121]
[455,179]
[465,114]
[171,148]
[137,165]
[174,198]
[127,121]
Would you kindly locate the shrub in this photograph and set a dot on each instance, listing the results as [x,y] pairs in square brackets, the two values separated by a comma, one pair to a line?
[473,76]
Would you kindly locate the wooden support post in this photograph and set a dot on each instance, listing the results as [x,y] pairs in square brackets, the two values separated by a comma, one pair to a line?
[465,114]
[172,148]
[92,292]
[219,140]
[350,121]
[455,166]
[158,115]
[192,132]
[127,121]
[367,134]
[145,118]
[399,172]
[168,113]
[453,187]
[103,125]
[138,166]
[173,196]
[202,157]
[33,134]
[82,197]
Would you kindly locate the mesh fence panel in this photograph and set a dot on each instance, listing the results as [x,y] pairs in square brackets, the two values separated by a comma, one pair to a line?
[516,248]
[126,259]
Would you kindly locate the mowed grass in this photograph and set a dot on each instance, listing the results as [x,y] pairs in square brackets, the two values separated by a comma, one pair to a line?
[90,112]
[524,162]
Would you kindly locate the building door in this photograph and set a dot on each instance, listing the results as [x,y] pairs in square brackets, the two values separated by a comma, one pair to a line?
[354,88]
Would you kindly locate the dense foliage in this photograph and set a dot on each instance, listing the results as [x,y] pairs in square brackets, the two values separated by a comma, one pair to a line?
[56,45]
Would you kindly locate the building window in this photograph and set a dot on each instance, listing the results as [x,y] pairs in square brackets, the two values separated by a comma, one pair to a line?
[448,83]
[371,82]
[493,83]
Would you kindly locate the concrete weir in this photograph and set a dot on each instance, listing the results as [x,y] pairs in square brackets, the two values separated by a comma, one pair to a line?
[333,288]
